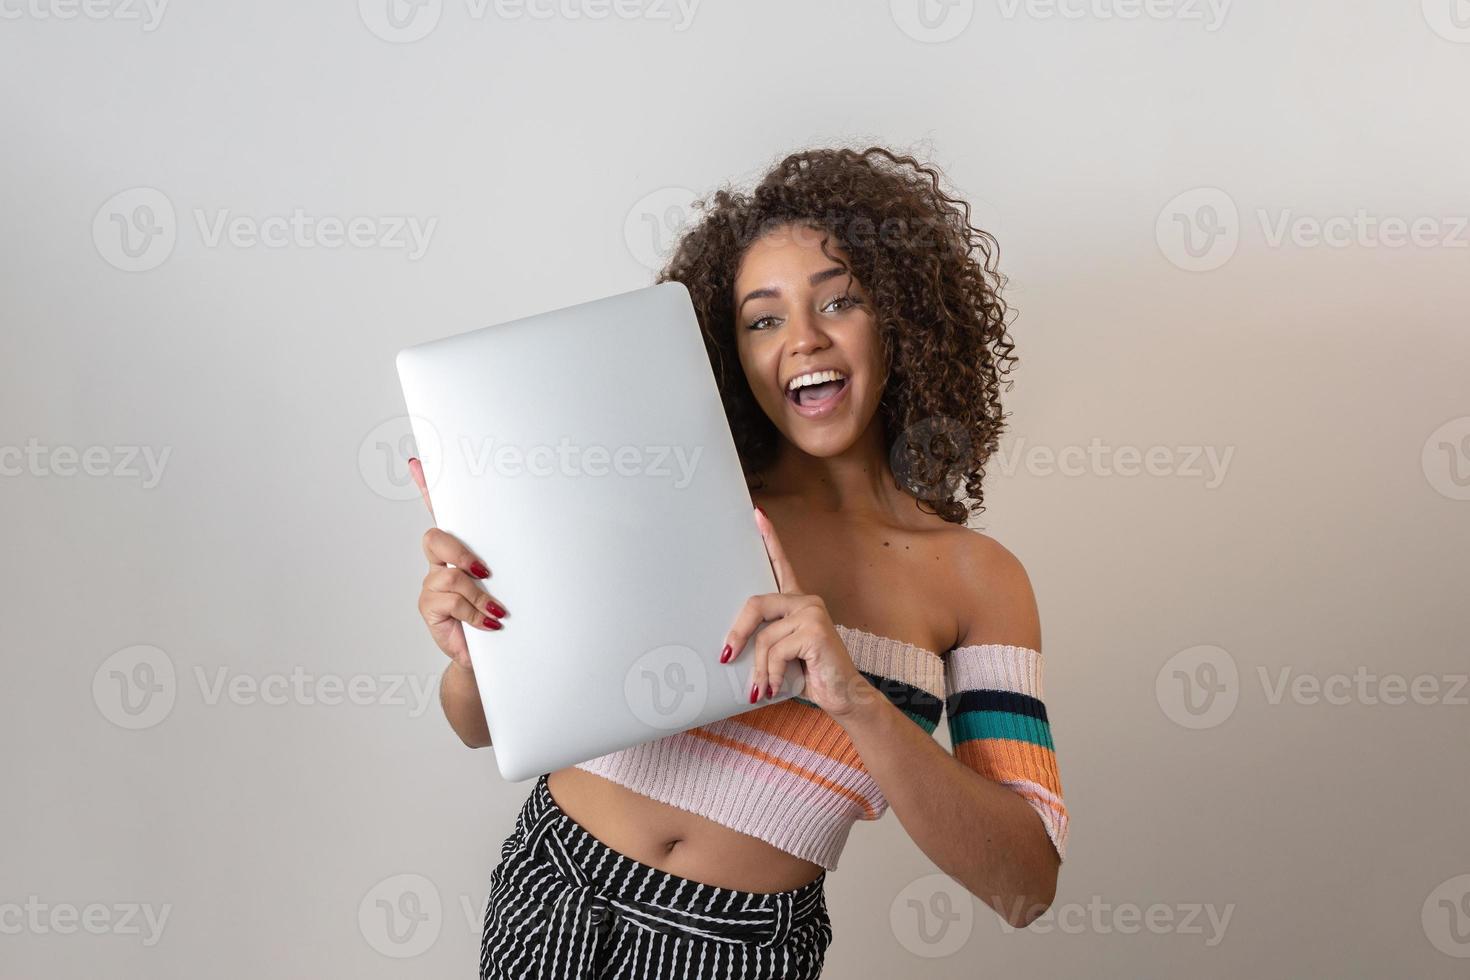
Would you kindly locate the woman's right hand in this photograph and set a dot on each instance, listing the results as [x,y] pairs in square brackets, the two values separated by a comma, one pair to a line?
[452,593]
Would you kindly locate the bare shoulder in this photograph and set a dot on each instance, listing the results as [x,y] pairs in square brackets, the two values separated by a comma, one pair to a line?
[996,601]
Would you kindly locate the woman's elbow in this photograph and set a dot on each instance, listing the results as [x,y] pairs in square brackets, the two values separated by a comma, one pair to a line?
[1042,894]
[1035,895]
[474,738]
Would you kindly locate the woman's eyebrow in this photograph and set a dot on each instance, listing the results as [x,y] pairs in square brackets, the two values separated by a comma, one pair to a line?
[815,279]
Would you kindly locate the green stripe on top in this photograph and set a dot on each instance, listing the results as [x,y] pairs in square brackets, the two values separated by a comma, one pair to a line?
[928,724]
[971,725]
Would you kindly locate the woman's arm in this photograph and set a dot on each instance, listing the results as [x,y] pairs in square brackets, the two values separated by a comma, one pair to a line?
[451,597]
[459,696]
[985,836]
[980,832]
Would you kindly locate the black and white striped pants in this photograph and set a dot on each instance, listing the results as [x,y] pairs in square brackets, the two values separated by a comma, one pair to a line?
[564,904]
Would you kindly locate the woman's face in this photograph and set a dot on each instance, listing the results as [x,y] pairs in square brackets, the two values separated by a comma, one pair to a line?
[798,312]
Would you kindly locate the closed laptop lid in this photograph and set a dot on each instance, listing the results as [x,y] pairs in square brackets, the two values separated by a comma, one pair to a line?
[585,456]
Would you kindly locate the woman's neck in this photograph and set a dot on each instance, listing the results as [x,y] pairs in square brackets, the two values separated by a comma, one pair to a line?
[857,482]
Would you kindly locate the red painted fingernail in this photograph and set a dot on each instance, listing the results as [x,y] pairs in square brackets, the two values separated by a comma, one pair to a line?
[491,624]
[770,691]
[494,608]
[478,569]
[763,513]
[754,692]
[725,654]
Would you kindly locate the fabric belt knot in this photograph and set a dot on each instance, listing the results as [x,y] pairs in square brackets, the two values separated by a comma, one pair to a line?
[578,918]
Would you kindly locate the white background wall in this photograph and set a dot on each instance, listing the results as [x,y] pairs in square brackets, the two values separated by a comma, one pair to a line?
[539,154]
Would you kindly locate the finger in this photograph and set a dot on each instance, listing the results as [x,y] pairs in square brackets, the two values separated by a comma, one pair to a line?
[790,647]
[436,607]
[785,574]
[757,667]
[445,549]
[445,579]
[756,610]
[449,635]
[766,640]
[416,470]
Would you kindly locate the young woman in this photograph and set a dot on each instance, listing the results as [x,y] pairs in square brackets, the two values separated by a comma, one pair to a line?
[854,321]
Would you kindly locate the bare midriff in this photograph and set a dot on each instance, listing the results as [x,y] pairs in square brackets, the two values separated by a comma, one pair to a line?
[674,840]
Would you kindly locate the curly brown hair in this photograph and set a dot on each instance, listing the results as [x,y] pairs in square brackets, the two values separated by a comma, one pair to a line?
[936,301]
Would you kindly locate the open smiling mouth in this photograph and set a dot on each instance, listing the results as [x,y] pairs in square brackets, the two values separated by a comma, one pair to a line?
[814,401]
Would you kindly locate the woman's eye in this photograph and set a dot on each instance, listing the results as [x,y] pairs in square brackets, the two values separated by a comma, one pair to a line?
[831,306]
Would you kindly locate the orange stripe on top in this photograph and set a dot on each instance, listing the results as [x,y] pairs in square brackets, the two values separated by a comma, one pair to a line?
[870,812]
[807,726]
[1007,760]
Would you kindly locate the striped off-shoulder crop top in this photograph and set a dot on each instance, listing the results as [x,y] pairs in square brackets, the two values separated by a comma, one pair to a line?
[788,774]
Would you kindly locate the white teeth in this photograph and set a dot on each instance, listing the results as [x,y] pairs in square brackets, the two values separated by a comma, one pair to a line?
[814,378]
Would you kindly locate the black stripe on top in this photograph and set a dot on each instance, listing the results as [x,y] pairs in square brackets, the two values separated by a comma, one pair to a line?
[983,700]
[914,700]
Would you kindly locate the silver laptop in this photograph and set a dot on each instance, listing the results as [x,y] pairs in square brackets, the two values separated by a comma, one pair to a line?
[584,455]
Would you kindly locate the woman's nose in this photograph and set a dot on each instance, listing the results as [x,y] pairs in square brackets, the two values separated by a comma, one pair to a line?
[806,334]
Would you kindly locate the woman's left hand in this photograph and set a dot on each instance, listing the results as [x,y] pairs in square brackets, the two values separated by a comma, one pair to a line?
[799,629]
